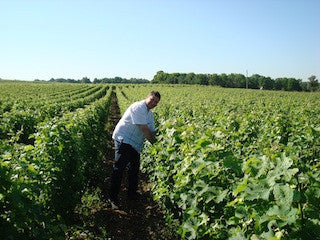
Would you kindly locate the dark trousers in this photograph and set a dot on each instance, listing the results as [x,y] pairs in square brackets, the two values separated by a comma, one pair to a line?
[124,154]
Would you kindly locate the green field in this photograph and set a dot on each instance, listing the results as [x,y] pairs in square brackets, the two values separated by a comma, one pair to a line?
[228,164]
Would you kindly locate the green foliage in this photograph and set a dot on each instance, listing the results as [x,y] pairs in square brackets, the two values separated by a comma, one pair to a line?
[313,83]
[20,118]
[232,80]
[42,182]
[228,164]
[235,164]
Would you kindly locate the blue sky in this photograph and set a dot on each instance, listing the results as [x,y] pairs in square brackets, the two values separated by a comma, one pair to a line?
[72,39]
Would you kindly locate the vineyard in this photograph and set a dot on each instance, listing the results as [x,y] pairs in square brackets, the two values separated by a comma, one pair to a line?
[51,136]
[228,163]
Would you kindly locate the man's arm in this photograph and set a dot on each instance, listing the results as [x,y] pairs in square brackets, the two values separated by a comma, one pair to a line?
[147,133]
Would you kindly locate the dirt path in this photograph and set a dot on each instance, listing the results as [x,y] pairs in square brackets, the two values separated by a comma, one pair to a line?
[134,220]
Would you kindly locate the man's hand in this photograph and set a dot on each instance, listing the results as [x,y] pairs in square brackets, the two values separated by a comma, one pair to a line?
[147,133]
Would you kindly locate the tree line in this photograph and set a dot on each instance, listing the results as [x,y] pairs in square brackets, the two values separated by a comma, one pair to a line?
[96,80]
[233,80]
[121,80]
[236,80]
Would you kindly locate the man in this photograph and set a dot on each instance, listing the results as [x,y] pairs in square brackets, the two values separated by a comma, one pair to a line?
[136,124]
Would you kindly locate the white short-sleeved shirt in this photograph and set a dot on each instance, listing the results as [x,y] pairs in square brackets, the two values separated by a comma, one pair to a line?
[127,129]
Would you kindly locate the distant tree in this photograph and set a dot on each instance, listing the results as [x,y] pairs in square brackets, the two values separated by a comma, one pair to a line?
[85,80]
[96,80]
[73,81]
[223,80]
[160,77]
[281,84]
[182,78]
[253,81]
[313,83]
[234,80]
[239,80]
[277,84]
[214,79]
[294,84]
[202,79]
[121,80]
[138,80]
[174,78]
[190,78]
[305,87]
[117,79]
[231,83]
[266,83]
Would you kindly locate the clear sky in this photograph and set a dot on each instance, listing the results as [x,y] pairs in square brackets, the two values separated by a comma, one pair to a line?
[134,39]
